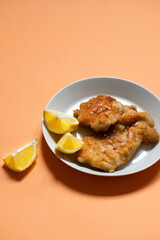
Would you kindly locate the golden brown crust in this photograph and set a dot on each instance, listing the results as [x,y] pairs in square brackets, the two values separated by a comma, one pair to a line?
[107,151]
[99,113]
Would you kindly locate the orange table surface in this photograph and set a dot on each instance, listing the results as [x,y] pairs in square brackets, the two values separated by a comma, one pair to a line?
[44,46]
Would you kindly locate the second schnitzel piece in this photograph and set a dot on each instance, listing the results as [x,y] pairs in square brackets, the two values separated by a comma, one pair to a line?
[99,113]
[109,150]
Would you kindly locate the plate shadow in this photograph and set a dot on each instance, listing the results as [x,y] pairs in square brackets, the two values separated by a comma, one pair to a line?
[97,185]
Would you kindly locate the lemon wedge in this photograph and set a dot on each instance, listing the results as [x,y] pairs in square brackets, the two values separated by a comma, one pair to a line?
[59,122]
[69,144]
[22,158]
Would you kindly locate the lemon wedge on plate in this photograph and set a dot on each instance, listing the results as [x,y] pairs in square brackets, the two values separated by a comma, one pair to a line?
[59,122]
[22,158]
[69,144]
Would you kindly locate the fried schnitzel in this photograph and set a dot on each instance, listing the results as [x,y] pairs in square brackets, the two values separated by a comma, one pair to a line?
[99,112]
[107,151]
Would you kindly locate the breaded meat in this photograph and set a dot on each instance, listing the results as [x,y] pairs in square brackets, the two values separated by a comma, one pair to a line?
[99,112]
[131,115]
[107,151]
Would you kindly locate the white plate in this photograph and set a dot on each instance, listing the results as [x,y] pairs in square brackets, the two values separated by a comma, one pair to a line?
[125,91]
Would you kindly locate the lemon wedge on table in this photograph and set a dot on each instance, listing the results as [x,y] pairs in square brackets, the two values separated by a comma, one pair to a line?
[22,158]
[59,122]
[69,144]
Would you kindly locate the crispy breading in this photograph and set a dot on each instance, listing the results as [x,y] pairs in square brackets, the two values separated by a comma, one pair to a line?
[107,151]
[131,117]
[99,112]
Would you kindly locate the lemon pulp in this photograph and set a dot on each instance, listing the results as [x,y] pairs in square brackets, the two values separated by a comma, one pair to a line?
[69,144]
[22,158]
[59,122]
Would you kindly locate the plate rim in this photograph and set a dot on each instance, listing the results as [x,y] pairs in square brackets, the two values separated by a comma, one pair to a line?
[101,77]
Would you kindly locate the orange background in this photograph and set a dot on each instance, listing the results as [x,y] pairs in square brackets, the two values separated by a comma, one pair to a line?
[44,46]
